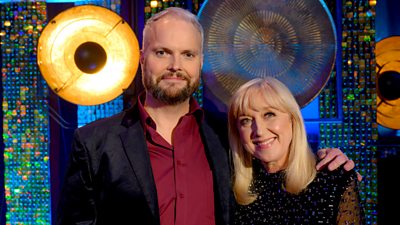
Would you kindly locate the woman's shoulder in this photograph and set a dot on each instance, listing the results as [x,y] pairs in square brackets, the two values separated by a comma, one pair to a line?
[339,177]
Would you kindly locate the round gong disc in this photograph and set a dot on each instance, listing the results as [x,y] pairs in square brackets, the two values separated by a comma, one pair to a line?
[293,41]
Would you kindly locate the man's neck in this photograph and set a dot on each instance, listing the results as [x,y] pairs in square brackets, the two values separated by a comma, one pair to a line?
[165,116]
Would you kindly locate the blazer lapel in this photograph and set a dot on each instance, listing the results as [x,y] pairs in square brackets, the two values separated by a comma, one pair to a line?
[220,166]
[135,147]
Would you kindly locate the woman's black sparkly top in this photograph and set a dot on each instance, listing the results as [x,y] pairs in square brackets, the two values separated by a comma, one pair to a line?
[332,198]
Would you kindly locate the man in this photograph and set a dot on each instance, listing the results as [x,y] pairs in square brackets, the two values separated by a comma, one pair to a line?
[162,161]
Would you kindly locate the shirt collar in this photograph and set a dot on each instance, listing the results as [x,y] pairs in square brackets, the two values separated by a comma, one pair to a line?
[145,119]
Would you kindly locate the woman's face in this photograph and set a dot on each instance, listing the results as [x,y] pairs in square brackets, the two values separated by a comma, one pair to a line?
[266,133]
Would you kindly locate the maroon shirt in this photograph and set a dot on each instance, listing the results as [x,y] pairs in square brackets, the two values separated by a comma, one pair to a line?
[181,171]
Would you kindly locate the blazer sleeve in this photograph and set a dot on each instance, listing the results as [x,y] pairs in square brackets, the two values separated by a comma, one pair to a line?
[77,200]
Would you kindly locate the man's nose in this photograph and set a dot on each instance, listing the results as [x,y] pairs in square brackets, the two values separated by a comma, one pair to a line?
[175,63]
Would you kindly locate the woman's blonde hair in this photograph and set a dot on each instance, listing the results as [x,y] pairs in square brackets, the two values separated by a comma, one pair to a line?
[300,169]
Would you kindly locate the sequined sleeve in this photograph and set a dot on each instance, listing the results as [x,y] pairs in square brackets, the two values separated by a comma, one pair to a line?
[350,208]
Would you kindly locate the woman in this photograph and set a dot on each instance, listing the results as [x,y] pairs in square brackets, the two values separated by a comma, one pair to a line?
[275,180]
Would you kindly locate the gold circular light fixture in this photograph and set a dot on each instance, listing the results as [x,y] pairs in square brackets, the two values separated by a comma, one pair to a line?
[387,53]
[88,55]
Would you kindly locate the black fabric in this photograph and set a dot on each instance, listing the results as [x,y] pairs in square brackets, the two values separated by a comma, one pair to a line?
[109,178]
[327,199]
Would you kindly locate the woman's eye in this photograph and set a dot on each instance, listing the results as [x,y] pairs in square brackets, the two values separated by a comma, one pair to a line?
[269,114]
[245,122]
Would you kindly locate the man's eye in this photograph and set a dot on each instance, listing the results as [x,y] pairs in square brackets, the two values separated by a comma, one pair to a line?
[160,53]
[189,55]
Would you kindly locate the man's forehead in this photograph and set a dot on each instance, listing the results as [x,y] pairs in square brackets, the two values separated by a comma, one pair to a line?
[167,19]
[169,27]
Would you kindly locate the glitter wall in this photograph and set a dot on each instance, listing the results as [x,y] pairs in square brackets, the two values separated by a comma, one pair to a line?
[25,115]
[351,97]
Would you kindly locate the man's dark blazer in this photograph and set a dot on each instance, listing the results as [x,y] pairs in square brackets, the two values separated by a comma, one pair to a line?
[109,178]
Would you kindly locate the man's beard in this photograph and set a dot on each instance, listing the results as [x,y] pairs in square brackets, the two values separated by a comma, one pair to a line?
[168,95]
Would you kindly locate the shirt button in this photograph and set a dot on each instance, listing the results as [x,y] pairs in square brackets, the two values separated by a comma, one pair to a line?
[181,195]
[179,162]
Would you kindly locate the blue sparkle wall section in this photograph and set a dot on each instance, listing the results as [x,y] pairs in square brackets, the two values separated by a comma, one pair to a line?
[354,103]
[25,115]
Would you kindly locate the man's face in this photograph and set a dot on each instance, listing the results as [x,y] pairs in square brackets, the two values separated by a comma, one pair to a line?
[171,60]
